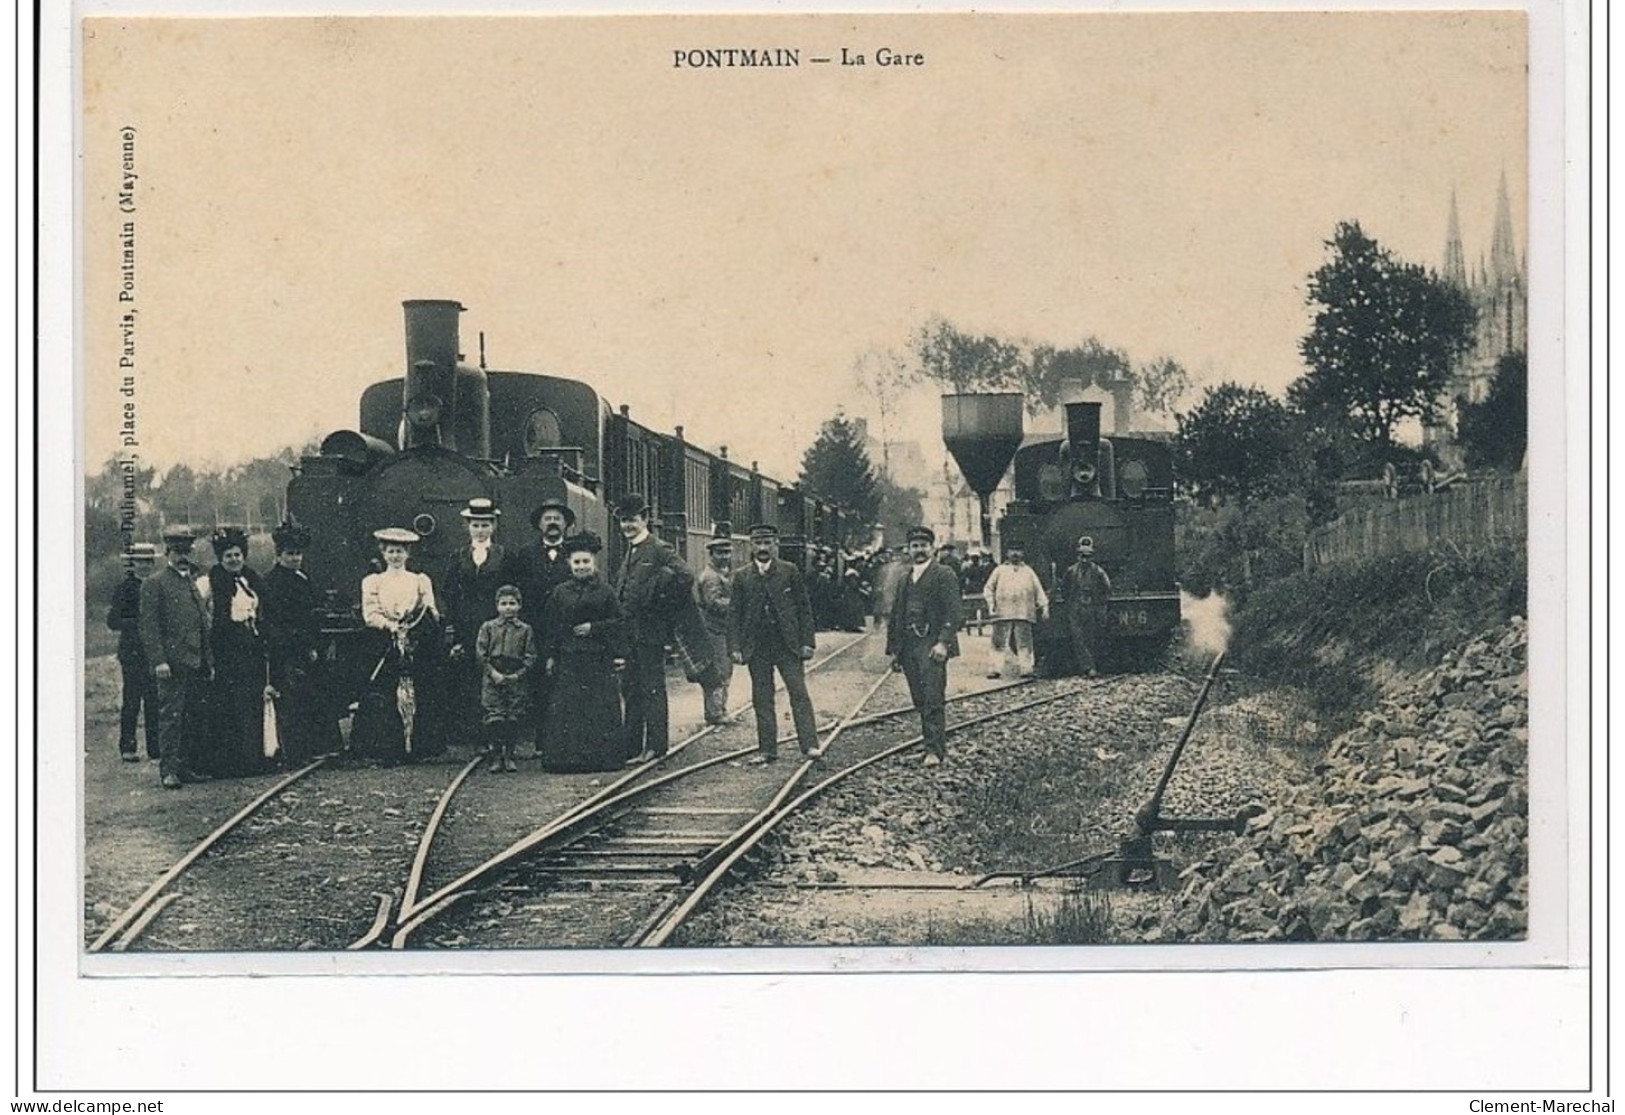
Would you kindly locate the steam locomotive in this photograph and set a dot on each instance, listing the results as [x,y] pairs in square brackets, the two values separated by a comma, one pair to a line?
[448,431]
[1118,491]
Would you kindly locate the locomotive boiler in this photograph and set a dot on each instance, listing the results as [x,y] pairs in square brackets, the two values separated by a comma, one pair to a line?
[1118,491]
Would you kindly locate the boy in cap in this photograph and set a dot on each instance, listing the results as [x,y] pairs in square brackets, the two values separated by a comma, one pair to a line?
[175,640]
[507,652]
[1086,590]
[771,629]
[652,584]
[713,589]
[124,616]
[923,633]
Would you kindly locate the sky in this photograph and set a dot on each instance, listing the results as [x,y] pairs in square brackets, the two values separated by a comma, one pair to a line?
[716,246]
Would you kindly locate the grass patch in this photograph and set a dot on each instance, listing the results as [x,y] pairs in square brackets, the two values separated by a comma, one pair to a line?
[1334,632]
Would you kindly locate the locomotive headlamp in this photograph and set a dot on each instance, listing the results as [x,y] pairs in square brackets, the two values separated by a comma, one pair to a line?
[424,411]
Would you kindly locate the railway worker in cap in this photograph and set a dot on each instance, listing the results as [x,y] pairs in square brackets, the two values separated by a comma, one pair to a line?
[653,584]
[1085,590]
[923,633]
[306,720]
[585,649]
[398,606]
[1015,600]
[241,666]
[175,640]
[713,590]
[506,651]
[540,567]
[468,590]
[772,629]
[124,616]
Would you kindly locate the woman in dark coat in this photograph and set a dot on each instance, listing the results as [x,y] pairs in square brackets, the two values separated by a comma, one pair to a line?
[236,595]
[584,646]
[306,722]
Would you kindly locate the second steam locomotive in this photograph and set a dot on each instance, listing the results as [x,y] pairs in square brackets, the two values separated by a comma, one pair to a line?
[1118,491]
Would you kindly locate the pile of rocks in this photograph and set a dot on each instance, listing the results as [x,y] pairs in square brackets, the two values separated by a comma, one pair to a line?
[1416,829]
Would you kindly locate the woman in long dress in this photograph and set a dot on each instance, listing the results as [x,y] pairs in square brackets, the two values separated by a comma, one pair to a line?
[398,606]
[238,649]
[584,647]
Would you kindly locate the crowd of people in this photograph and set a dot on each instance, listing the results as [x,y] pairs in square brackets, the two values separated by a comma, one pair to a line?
[536,645]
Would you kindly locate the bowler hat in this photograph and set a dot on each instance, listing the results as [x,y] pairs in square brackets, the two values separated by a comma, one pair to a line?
[480,508]
[631,505]
[552,503]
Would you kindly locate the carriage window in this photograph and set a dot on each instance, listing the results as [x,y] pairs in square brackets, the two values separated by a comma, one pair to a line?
[542,431]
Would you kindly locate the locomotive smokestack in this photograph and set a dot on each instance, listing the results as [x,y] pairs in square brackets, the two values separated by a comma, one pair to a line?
[430,392]
[1083,446]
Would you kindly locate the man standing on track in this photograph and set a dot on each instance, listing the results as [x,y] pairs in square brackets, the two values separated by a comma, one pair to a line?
[714,588]
[125,617]
[1087,589]
[772,629]
[653,583]
[923,634]
[175,639]
[1015,599]
[538,569]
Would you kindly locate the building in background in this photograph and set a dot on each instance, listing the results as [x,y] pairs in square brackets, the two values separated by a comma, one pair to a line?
[1499,288]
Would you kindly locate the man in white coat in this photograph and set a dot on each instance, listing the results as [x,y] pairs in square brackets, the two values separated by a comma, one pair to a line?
[1015,598]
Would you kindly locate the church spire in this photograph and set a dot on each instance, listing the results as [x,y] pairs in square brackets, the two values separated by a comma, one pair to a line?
[1503,249]
[1455,260]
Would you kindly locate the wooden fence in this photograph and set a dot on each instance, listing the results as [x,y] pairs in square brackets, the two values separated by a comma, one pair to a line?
[1489,512]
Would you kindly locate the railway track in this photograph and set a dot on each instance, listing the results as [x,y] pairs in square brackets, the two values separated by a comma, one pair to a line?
[630,869]
[128,926]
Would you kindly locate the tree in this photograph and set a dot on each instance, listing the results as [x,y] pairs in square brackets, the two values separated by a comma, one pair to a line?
[1383,341]
[884,376]
[1160,386]
[900,508]
[837,468]
[1234,445]
[1495,431]
[1049,369]
[965,362]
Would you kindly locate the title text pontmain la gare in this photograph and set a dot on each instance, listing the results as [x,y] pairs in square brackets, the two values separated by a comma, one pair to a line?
[727,58]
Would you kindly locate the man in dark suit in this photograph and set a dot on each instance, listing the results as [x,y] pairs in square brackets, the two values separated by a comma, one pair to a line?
[125,618]
[653,583]
[541,567]
[772,629]
[175,639]
[922,634]
[468,590]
